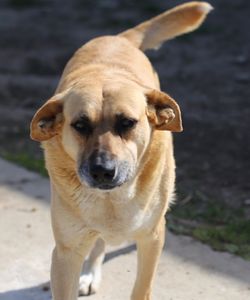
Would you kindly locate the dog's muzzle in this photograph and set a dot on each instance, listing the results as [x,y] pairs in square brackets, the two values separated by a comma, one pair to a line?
[103,171]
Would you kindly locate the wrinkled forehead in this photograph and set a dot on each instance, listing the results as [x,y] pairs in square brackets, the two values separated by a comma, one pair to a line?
[105,103]
[125,100]
[85,101]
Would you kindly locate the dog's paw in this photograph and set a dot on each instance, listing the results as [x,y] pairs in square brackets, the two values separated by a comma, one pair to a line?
[89,282]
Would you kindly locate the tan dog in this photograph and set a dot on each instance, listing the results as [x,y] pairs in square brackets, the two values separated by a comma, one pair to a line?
[107,139]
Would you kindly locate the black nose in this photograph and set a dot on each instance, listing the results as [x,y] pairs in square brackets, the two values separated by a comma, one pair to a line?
[102,167]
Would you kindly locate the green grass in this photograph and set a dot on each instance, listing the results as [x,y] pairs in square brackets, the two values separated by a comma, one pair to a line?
[201,207]
[28,162]
[222,227]
[233,237]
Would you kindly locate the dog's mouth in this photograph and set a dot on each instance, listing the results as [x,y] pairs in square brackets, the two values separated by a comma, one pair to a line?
[105,180]
[106,187]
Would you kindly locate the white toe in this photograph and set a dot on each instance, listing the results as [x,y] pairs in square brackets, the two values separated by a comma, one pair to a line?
[89,282]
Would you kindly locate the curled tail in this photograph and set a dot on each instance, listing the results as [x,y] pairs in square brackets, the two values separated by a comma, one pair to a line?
[179,20]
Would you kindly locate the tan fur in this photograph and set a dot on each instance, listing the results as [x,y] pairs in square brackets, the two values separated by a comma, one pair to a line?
[110,76]
[179,20]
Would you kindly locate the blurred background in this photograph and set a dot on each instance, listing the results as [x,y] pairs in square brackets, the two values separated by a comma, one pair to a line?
[207,72]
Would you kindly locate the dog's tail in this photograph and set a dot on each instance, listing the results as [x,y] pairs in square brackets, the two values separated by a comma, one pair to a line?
[179,20]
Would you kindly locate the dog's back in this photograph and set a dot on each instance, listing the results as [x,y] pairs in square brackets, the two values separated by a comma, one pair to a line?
[121,52]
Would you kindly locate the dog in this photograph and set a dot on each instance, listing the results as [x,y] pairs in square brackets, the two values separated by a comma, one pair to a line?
[107,140]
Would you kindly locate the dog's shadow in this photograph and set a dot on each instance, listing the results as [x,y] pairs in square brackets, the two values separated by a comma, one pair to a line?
[42,291]
[113,254]
[39,292]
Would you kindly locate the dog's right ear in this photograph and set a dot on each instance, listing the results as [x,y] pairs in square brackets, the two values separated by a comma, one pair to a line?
[48,120]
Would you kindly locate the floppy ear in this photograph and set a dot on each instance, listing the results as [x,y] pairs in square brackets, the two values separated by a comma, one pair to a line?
[163,112]
[47,120]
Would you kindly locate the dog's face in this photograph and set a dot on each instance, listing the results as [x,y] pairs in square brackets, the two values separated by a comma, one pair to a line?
[106,129]
[106,132]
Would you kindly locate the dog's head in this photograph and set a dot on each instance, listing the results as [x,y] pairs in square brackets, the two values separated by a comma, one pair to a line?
[106,130]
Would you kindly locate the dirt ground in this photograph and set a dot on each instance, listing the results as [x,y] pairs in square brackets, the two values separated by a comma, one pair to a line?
[207,72]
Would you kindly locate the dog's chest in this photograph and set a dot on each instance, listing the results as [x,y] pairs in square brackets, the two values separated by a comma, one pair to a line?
[115,222]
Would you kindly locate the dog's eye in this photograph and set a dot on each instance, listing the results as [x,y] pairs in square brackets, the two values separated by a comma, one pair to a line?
[83,126]
[124,124]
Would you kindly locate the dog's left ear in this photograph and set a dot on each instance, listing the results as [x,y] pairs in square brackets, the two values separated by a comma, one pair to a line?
[163,112]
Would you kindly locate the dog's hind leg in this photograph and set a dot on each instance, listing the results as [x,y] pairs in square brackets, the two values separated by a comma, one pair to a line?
[92,270]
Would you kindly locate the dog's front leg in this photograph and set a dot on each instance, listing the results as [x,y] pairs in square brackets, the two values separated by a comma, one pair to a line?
[148,252]
[66,269]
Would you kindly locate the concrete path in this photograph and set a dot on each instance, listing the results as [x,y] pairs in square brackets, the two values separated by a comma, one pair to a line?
[188,269]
